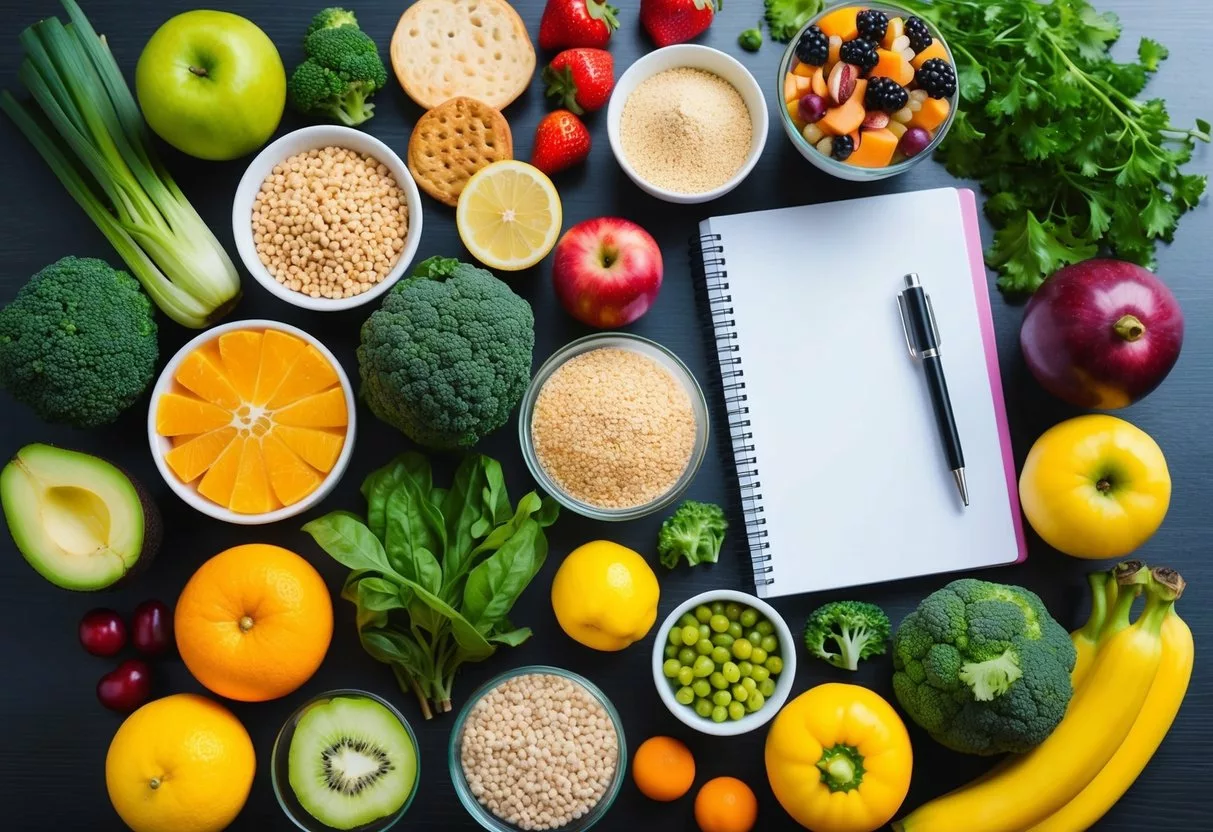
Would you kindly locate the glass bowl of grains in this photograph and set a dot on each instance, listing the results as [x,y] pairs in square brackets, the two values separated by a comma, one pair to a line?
[327,218]
[510,757]
[613,426]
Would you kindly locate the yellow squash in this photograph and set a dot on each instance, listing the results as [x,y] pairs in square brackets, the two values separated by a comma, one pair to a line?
[838,758]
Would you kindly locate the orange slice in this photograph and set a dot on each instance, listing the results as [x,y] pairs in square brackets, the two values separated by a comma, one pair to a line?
[177,414]
[251,492]
[241,354]
[220,479]
[291,478]
[278,352]
[310,373]
[203,376]
[191,459]
[323,410]
[318,448]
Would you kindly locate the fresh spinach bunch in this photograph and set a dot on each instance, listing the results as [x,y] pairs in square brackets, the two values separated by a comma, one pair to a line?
[437,570]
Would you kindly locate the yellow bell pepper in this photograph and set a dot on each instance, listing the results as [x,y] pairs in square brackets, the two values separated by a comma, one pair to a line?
[838,758]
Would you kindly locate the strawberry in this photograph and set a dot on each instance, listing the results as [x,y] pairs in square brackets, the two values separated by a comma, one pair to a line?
[561,141]
[581,79]
[673,21]
[570,23]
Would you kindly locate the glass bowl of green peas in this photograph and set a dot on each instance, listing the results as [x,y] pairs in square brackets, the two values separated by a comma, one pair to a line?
[724,662]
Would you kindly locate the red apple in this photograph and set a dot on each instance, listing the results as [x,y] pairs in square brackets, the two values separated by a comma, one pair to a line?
[607,271]
[1101,333]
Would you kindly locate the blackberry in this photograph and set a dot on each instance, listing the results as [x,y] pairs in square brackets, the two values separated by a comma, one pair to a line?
[872,24]
[842,147]
[937,77]
[919,35]
[861,52]
[885,94]
[813,48]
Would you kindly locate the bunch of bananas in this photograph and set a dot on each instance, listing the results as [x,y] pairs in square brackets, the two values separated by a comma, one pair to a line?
[1129,681]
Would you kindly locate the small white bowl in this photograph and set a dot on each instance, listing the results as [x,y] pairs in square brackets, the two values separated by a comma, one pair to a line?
[783,686]
[696,57]
[188,492]
[300,141]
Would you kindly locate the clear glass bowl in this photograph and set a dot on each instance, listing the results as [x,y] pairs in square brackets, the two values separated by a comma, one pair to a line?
[486,818]
[279,775]
[829,164]
[667,359]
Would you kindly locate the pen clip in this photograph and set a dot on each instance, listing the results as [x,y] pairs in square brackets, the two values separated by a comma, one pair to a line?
[931,320]
[905,324]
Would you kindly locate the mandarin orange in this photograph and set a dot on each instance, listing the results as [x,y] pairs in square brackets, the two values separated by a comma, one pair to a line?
[725,804]
[663,768]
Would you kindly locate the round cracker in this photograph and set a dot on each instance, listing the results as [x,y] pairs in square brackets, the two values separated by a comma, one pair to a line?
[451,142]
[475,48]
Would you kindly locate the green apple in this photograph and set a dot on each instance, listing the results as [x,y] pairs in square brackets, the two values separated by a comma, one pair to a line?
[211,84]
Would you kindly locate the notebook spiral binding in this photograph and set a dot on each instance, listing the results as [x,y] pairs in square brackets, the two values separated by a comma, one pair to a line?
[732,375]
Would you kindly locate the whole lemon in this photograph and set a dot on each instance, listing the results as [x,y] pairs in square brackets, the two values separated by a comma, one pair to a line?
[605,595]
[180,764]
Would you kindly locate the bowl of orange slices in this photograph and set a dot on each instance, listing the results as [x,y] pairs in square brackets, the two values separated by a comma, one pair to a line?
[252,422]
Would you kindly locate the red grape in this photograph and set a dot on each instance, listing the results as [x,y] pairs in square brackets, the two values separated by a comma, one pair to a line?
[914,141]
[126,687]
[152,628]
[102,632]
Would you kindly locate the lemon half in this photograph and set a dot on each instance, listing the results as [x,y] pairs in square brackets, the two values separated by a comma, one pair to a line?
[509,215]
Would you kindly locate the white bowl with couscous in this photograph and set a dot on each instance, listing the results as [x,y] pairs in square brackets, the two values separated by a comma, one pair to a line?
[321,228]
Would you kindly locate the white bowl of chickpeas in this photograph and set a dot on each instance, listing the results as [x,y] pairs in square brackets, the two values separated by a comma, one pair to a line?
[327,218]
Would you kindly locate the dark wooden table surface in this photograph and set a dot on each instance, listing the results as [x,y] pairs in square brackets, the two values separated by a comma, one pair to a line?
[55,734]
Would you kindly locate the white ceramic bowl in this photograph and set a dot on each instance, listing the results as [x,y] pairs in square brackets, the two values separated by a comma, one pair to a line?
[189,491]
[783,684]
[310,138]
[697,57]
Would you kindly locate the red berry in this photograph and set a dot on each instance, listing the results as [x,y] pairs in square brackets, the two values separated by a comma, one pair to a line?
[102,632]
[914,141]
[126,687]
[812,107]
[152,628]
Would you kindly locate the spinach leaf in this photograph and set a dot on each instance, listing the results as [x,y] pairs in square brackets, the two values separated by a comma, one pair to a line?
[413,532]
[494,585]
[381,483]
[464,510]
[374,598]
[511,638]
[471,643]
[349,542]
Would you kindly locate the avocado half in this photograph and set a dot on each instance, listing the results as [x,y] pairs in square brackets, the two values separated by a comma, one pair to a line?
[78,519]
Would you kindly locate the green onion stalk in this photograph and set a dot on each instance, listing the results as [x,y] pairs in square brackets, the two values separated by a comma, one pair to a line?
[88,128]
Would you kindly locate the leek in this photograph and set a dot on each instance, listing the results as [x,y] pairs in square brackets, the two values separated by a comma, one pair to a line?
[88,128]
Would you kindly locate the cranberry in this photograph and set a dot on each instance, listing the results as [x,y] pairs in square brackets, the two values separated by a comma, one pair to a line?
[812,107]
[102,632]
[914,141]
[152,628]
[126,687]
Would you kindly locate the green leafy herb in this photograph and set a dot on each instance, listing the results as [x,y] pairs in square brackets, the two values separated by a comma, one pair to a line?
[785,17]
[1072,161]
[436,571]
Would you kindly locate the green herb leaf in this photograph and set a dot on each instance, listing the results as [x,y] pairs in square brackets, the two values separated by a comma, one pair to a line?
[1151,53]
[494,585]
[413,532]
[349,542]
[512,638]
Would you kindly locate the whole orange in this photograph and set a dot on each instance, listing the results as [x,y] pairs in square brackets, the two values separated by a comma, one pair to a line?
[663,768]
[254,622]
[725,804]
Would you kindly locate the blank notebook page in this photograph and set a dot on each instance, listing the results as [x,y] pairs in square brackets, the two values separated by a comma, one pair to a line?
[853,480]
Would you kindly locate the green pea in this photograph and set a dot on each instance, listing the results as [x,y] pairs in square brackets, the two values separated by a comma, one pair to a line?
[718,608]
[769,643]
[730,671]
[732,610]
[687,656]
[671,668]
[685,675]
[703,667]
[736,630]
[742,649]
[690,634]
[675,636]
[722,697]
[722,640]
[684,696]
[718,681]
[719,624]
[754,637]
[720,713]
[756,701]
[720,655]
[765,627]
[670,651]
[703,707]
[687,620]
[748,616]
[774,664]
[702,614]
[736,711]
[741,693]
[702,689]
[749,684]
[767,688]
[745,668]
[759,673]
[705,631]
[758,655]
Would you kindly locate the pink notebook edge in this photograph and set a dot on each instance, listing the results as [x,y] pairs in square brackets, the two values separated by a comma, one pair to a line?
[981,290]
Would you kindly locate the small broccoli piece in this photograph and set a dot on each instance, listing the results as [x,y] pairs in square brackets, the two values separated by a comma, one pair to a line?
[750,39]
[785,17]
[858,630]
[342,71]
[78,343]
[695,532]
[448,354]
[331,18]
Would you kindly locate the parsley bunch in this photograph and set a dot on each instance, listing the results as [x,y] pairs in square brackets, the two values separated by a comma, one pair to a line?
[1051,126]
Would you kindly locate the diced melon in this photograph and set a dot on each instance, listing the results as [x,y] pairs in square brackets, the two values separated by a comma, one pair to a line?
[845,118]
[841,22]
[931,114]
[278,352]
[310,373]
[323,410]
[935,50]
[290,477]
[241,354]
[789,87]
[835,55]
[191,459]
[794,112]
[897,28]
[818,83]
[875,150]
[217,485]
[251,492]
[178,414]
[892,65]
[804,70]
[318,448]
[201,374]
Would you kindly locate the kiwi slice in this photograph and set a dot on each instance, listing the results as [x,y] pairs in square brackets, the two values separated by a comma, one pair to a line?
[351,762]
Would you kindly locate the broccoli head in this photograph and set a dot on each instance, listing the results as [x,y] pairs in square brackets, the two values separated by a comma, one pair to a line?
[983,667]
[78,343]
[695,532]
[448,354]
[331,18]
[342,71]
[844,633]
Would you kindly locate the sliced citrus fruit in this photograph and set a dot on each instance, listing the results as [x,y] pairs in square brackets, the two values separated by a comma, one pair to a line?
[509,215]
[191,459]
[177,414]
[278,352]
[206,378]
[318,448]
[310,373]
[251,492]
[220,478]
[241,353]
[323,410]
[291,478]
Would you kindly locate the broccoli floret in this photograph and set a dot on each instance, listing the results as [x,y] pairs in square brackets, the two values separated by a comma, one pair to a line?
[785,17]
[78,343]
[448,354]
[857,629]
[983,667]
[695,532]
[331,18]
[342,71]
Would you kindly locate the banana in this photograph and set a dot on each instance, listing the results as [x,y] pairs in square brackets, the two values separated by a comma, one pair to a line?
[1086,637]
[1040,782]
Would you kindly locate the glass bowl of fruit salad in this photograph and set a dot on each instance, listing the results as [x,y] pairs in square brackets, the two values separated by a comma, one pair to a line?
[868,90]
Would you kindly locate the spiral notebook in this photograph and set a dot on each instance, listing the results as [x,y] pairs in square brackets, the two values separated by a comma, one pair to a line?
[842,472]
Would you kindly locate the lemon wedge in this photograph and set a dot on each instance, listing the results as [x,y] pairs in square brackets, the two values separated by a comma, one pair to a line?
[509,215]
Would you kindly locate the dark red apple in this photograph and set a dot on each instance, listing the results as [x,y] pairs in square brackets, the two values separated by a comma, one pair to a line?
[102,632]
[1101,333]
[607,271]
[126,687]
[152,628]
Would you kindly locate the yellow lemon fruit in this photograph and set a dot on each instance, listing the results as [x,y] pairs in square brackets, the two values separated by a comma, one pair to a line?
[509,215]
[180,764]
[605,595]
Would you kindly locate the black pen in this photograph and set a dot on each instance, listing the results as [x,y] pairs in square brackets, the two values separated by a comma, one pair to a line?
[922,338]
